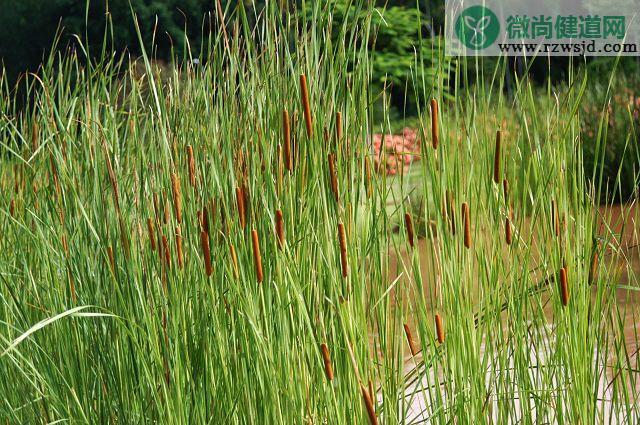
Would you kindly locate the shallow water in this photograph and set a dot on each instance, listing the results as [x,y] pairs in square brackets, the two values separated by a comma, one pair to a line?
[621,222]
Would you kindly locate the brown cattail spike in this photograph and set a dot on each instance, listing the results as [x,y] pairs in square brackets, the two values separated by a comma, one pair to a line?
[339,126]
[280,228]
[234,260]
[179,247]
[286,128]
[12,207]
[467,225]
[496,158]
[177,196]
[305,104]
[166,251]
[368,404]
[240,203]
[112,260]
[412,343]
[439,329]
[257,258]
[507,230]
[409,224]
[342,238]
[204,242]
[152,236]
[192,166]
[564,290]
[328,369]
[434,123]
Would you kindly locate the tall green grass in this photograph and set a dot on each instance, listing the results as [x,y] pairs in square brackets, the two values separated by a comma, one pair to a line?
[96,326]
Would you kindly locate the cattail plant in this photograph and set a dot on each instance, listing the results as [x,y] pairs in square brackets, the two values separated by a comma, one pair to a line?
[496,158]
[240,203]
[192,166]
[257,258]
[450,210]
[439,329]
[305,105]
[179,247]
[152,237]
[328,369]
[333,176]
[167,210]
[338,126]
[564,290]
[467,225]
[412,343]
[280,229]
[166,252]
[234,260]
[204,242]
[112,260]
[156,206]
[507,231]
[368,404]
[434,123]
[12,207]
[286,128]
[177,196]
[409,224]
[342,238]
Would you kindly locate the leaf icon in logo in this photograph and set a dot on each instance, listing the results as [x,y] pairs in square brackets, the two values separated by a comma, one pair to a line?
[477,26]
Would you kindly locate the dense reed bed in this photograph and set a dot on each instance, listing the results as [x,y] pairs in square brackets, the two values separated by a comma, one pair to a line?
[209,243]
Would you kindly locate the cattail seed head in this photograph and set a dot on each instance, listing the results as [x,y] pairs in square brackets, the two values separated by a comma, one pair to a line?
[342,238]
[412,343]
[368,404]
[112,260]
[240,203]
[234,261]
[434,123]
[156,206]
[467,225]
[496,158]
[166,251]
[507,230]
[564,289]
[328,369]
[305,104]
[192,166]
[339,126]
[177,196]
[286,128]
[257,258]
[439,329]
[280,228]
[12,207]
[204,242]
[167,211]
[152,237]
[179,247]
[409,224]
